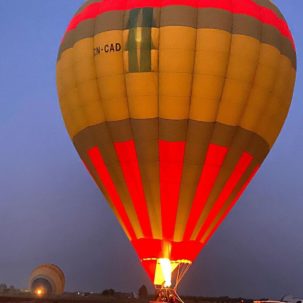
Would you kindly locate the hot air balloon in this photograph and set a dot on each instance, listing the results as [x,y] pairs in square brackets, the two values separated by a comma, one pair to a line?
[46,280]
[172,106]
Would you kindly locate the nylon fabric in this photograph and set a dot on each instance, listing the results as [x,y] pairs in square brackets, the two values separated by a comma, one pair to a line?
[173,105]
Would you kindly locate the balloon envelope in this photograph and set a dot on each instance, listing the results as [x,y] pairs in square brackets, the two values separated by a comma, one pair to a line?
[173,105]
[47,279]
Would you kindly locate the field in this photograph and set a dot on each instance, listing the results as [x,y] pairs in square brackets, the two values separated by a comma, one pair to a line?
[111,299]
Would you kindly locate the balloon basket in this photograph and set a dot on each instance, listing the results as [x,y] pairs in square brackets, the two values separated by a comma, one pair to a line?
[166,294]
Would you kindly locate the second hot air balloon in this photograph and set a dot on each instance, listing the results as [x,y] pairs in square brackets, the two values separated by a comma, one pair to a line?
[47,280]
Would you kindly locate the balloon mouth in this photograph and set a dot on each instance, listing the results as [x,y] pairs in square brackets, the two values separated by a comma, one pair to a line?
[40,292]
[168,273]
[166,268]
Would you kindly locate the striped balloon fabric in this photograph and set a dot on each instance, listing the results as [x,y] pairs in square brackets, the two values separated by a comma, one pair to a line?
[173,105]
[47,280]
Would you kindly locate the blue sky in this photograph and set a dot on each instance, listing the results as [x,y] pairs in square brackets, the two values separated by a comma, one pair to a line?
[51,211]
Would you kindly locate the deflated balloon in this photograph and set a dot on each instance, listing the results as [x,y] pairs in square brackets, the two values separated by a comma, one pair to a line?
[173,105]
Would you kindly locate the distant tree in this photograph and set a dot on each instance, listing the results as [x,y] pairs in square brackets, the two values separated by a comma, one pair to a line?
[108,292]
[142,292]
[3,287]
[11,289]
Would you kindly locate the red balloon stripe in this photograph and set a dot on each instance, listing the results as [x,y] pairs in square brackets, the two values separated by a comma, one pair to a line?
[98,162]
[171,156]
[213,163]
[231,205]
[127,156]
[238,172]
[245,7]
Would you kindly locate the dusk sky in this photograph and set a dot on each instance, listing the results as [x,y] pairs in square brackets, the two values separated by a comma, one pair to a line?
[52,212]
